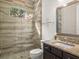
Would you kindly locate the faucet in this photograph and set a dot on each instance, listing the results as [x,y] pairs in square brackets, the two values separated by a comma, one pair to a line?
[66,41]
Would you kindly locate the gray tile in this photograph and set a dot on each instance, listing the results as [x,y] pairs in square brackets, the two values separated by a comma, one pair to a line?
[19,55]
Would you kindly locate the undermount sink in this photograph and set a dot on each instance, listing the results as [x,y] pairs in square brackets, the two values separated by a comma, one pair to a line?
[63,45]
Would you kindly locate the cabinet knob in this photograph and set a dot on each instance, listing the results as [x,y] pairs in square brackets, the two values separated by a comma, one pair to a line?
[46,47]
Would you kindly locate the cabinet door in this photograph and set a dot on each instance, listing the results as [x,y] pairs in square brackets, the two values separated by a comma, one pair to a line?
[48,55]
[69,56]
[57,52]
[57,57]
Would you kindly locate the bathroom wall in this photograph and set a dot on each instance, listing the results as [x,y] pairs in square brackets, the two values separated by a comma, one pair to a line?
[49,17]
[16,33]
[37,22]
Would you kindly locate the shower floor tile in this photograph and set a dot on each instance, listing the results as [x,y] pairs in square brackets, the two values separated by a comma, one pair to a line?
[18,55]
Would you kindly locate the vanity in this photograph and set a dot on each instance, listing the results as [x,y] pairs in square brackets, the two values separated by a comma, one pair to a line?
[53,51]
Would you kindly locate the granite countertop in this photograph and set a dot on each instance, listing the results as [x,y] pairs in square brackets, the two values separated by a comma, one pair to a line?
[73,50]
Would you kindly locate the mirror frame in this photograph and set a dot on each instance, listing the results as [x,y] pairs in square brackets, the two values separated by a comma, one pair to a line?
[58,26]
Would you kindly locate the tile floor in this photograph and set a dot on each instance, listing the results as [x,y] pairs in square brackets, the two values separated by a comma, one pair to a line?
[18,55]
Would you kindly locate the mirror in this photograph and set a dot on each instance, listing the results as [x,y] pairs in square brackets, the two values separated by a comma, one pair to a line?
[68,19]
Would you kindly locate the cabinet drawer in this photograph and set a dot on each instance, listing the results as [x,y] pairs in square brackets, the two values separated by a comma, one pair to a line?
[69,56]
[56,52]
[46,47]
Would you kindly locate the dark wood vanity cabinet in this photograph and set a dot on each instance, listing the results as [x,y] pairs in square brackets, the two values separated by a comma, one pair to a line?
[55,53]
[48,55]
[69,56]
[51,53]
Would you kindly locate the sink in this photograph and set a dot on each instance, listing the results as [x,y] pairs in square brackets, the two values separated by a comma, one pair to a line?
[63,45]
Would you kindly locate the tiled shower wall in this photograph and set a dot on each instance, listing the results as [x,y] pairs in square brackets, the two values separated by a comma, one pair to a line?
[16,33]
[38,21]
